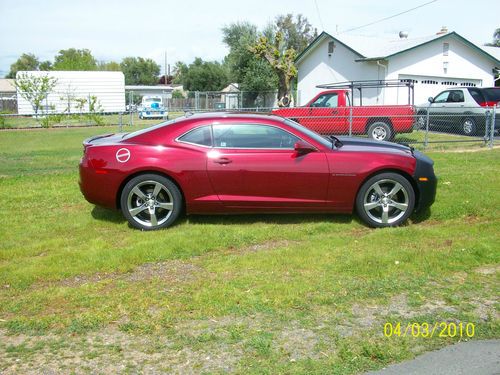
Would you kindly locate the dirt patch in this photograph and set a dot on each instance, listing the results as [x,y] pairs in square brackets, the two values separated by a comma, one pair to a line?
[488,270]
[297,343]
[265,246]
[174,271]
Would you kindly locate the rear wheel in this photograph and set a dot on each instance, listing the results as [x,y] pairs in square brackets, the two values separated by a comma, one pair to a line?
[469,126]
[380,131]
[385,200]
[151,202]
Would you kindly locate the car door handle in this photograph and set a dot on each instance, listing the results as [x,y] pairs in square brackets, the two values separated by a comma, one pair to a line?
[223,161]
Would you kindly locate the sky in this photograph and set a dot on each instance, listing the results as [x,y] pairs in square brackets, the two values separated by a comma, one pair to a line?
[185,29]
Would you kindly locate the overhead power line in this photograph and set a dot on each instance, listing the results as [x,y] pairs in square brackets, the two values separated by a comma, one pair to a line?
[388,18]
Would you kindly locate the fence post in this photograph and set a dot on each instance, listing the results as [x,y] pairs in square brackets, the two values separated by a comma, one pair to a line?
[90,110]
[350,121]
[492,125]
[120,122]
[427,119]
[130,106]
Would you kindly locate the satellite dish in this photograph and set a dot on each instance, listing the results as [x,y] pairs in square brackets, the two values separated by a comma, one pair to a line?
[403,34]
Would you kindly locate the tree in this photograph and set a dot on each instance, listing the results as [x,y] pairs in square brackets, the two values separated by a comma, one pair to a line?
[205,76]
[34,88]
[297,34]
[496,39]
[27,61]
[281,60]
[45,66]
[110,66]
[180,69]
[75,59]
[140,71]
[254,75]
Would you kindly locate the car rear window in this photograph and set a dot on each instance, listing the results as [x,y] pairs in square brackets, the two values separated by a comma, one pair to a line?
[492,94]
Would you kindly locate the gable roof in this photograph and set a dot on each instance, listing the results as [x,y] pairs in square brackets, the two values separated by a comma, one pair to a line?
[374,48]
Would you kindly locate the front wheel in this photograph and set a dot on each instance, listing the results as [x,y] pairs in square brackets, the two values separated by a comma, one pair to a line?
[380,131]
[385,200]
[150,202]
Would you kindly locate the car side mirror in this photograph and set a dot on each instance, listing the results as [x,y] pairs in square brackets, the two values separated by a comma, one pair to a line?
[303,148]
[431,99]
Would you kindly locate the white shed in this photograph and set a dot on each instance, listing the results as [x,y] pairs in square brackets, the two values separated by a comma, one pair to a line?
[79,92]
[433,63]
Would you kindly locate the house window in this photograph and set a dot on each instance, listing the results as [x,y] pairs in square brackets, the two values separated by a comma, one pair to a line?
[446,49]
[331,47]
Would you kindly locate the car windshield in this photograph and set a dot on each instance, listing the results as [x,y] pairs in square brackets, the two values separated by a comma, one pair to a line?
[318,138]
[151,128]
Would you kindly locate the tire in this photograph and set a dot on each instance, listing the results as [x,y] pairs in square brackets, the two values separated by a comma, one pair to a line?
[468,126]
[385,200]
[421,122]
[151,202]
[380,131]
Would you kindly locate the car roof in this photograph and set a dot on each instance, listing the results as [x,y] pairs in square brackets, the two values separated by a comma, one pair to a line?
[235,115]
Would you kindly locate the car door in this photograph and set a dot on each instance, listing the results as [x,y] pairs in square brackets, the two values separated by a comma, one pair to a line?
[438,111]
[255,166]
[325,116]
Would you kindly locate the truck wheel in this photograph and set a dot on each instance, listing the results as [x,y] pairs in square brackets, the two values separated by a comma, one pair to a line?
[380,131]
[421,122]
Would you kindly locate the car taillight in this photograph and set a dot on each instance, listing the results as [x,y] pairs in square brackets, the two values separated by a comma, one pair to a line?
[488,104]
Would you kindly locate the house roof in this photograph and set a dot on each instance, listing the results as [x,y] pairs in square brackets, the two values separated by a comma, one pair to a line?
[7,85]
[376,48]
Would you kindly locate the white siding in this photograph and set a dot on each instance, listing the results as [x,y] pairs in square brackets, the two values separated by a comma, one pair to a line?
[107,87]
[425,62]
[319,68]
[464,64]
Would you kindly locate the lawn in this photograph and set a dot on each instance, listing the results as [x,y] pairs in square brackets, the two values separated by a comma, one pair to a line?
[80,291]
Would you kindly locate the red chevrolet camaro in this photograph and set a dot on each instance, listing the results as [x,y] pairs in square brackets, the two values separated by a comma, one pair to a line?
[246,163]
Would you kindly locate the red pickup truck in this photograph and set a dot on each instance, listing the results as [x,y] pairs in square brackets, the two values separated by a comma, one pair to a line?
[330,112]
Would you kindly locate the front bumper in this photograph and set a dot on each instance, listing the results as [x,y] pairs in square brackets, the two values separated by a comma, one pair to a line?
[153,114]
[426,181]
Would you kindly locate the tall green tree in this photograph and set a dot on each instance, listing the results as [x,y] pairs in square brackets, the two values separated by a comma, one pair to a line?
[254,75]
[297,32]
[205,76]
[140,71]
[75,59]
[179,71]
[110,66]
[27,61]
[282,62]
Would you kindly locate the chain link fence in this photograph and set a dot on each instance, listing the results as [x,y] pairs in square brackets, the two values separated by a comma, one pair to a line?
[423,127]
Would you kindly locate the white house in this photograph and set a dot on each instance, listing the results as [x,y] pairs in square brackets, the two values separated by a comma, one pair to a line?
[76,91]
[433,63]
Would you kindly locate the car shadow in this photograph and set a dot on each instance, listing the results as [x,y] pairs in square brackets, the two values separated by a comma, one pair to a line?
[104,214]
[267,218]
[421,215]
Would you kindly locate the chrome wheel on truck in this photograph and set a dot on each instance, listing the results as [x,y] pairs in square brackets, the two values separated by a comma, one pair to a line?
[380,131]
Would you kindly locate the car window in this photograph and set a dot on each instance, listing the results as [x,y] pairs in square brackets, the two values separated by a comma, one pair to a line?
[442,98]
[492,94]
[476,95]
[201,136]
[152,128]
[326,100]
[456,96]
[252,136]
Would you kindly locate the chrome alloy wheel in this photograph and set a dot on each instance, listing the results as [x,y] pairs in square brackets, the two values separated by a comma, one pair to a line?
[468,126]
[379,133]
[150,203]
[386,201]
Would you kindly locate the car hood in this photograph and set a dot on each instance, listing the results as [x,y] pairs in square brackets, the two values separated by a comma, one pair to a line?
[362,144]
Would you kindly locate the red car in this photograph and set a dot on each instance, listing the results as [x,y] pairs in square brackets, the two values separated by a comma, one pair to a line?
[247,163]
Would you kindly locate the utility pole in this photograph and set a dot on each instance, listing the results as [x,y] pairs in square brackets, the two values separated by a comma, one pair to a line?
[166,67]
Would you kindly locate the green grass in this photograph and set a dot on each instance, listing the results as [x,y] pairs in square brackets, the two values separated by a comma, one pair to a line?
[253,294]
